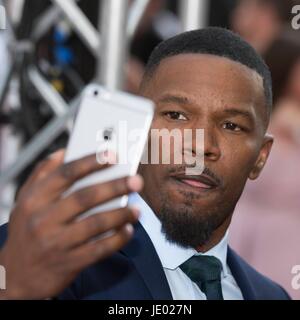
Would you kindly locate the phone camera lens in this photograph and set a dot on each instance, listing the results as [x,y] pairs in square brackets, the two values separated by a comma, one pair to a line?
[107,134]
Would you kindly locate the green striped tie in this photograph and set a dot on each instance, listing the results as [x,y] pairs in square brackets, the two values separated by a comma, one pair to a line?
[205,271]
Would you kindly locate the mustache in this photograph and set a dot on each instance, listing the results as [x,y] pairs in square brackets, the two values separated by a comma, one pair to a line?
[206,171]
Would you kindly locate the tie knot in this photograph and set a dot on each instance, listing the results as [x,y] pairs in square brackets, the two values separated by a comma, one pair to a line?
[202,268]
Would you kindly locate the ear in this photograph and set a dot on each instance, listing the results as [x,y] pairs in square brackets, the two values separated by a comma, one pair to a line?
[262,158]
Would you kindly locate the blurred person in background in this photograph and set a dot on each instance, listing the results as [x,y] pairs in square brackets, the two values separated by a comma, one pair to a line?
[158,24]
[260,22]
[283,60]
[268,215]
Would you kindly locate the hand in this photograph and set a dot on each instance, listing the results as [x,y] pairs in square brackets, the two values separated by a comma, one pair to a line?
[47,246]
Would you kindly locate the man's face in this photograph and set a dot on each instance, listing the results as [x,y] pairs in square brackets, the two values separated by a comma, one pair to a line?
[226,99]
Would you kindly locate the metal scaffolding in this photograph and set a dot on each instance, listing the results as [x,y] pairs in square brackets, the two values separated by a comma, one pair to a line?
[108,44]
[193,14]
[114,43]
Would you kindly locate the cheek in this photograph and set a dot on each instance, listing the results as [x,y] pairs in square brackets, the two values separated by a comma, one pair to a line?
[165,142]
[239,159]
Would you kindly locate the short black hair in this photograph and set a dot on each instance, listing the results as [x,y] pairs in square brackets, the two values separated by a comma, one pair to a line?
[216,41]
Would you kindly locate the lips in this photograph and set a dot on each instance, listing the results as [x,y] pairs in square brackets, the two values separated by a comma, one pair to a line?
[199,181]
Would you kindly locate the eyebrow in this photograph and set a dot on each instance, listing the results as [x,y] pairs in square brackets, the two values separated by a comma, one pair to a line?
[174,99]
[238,112]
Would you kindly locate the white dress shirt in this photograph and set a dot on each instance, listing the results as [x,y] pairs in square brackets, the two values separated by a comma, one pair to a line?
[172,256]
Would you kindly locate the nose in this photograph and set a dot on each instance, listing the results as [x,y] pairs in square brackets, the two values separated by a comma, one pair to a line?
[212,151]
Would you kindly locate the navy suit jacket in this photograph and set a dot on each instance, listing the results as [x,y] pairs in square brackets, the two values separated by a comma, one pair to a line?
[136,273]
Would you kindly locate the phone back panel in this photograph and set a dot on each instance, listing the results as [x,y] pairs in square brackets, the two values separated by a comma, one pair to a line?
[114,121]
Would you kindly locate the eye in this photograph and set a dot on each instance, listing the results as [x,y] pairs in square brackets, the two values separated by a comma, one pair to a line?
[175,115]
[232,127]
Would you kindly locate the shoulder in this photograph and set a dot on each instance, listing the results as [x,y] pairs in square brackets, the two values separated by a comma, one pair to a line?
[262,287]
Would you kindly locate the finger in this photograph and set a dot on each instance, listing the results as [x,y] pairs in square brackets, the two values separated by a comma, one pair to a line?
[92,252]
[42,170]
[49,189]
[69,173]
[83,231]
[81,201]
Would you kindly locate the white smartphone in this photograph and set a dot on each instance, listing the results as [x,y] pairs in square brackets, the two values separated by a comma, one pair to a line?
[110,121]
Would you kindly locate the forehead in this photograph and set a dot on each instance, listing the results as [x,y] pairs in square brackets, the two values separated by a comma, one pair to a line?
[207,77]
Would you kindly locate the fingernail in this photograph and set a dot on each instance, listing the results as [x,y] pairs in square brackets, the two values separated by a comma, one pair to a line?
[136,212]
[135,183]
[129,229]
[57,155]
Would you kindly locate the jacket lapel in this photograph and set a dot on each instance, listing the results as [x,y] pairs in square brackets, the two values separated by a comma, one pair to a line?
[235,264]
[146,261]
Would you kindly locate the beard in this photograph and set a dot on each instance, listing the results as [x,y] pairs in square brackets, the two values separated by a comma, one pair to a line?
[189,219]
[189,227]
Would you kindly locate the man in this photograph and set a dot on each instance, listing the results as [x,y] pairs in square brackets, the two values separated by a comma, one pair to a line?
[205,79]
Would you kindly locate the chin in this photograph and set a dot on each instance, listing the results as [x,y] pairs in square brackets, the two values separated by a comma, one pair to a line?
[188,197]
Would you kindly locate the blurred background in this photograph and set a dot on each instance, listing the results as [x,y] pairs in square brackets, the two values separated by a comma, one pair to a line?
[50,50]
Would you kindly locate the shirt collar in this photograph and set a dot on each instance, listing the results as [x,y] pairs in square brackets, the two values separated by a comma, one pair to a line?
[171,254]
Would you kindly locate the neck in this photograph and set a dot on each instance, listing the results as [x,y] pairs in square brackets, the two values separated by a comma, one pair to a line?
[216,237]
